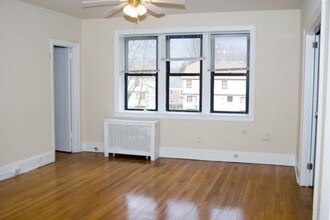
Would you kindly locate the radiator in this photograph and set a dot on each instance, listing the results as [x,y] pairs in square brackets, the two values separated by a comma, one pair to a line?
[131,137]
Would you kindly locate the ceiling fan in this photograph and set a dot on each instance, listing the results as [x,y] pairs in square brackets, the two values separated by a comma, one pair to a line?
[132,8]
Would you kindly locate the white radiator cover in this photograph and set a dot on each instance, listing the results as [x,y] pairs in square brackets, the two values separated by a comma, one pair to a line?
[131,137]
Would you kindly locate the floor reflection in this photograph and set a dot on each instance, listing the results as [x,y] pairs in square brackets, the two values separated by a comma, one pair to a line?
[145,208]
[140,207]
[228,212]
[177,210]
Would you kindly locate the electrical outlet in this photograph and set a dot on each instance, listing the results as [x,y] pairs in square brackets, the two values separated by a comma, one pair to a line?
[17,171]
[266,137]
[96,148]
[244,131]
[235,155]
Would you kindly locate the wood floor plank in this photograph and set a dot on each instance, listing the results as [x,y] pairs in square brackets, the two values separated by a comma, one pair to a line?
[90,186]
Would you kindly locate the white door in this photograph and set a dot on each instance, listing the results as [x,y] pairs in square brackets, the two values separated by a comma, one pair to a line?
[62,99]
[314,107]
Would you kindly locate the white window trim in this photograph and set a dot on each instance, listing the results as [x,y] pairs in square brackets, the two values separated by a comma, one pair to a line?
[119,110]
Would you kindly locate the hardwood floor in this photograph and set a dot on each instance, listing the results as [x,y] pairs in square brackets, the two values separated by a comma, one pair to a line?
[89,186]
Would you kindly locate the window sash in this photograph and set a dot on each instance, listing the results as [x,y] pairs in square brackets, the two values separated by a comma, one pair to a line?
[247,93]
[170,74]
[139,72]
[168,93]
[126,53]
[191,36]
[127,75]
[230,72]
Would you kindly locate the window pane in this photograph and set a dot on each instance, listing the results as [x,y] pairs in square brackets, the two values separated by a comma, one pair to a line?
[141,54]
[184,93]
[141,92]
[224,84]
[185,47]
[185,66]
[233,97]
[230,53]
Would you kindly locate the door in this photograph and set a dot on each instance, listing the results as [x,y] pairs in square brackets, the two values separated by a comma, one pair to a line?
[62,99]
[315,102]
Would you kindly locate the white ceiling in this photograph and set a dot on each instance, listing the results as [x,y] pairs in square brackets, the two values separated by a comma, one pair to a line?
[73,7]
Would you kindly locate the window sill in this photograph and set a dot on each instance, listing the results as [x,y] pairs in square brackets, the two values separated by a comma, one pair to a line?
[185,116]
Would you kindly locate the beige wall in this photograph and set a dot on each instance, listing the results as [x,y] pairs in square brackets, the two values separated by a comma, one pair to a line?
[276,79]
[25,92]
[309,10]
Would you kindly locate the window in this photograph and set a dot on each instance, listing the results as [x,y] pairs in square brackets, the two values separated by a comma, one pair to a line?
[207,74]
[224,84]
[191,98]
[188,83]
[141,73]
[183,72]
[229,66]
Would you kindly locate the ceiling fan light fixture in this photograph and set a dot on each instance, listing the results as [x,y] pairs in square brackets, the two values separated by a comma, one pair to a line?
[141,10]
[131,11]
[132,8]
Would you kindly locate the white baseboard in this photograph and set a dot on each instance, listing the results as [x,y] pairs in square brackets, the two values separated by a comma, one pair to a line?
[26,165]
[228,156]
[92,147]
[296,172]
[211,155]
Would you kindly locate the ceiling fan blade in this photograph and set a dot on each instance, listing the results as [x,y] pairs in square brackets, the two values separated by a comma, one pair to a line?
[114,10]
[95,3]
[174,2]
[154,8]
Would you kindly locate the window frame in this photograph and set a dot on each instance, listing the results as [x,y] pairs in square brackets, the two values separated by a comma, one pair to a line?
[126,90]
[128,73]
[228,73]
[169,74]
[118,75]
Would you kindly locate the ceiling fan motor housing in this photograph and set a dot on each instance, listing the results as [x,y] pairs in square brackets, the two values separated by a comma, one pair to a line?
[134,2]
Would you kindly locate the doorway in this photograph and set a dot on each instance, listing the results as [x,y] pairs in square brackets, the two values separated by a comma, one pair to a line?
[309,109]
[62,61]
[65,95]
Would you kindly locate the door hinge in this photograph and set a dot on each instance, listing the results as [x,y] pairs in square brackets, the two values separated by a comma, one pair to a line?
[309,166]
[315,45]
[316,114]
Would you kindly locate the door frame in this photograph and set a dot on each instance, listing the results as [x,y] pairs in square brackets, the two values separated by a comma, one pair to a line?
[75,91]
[303,155]
[315,101]
[307,109]
[321,201]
